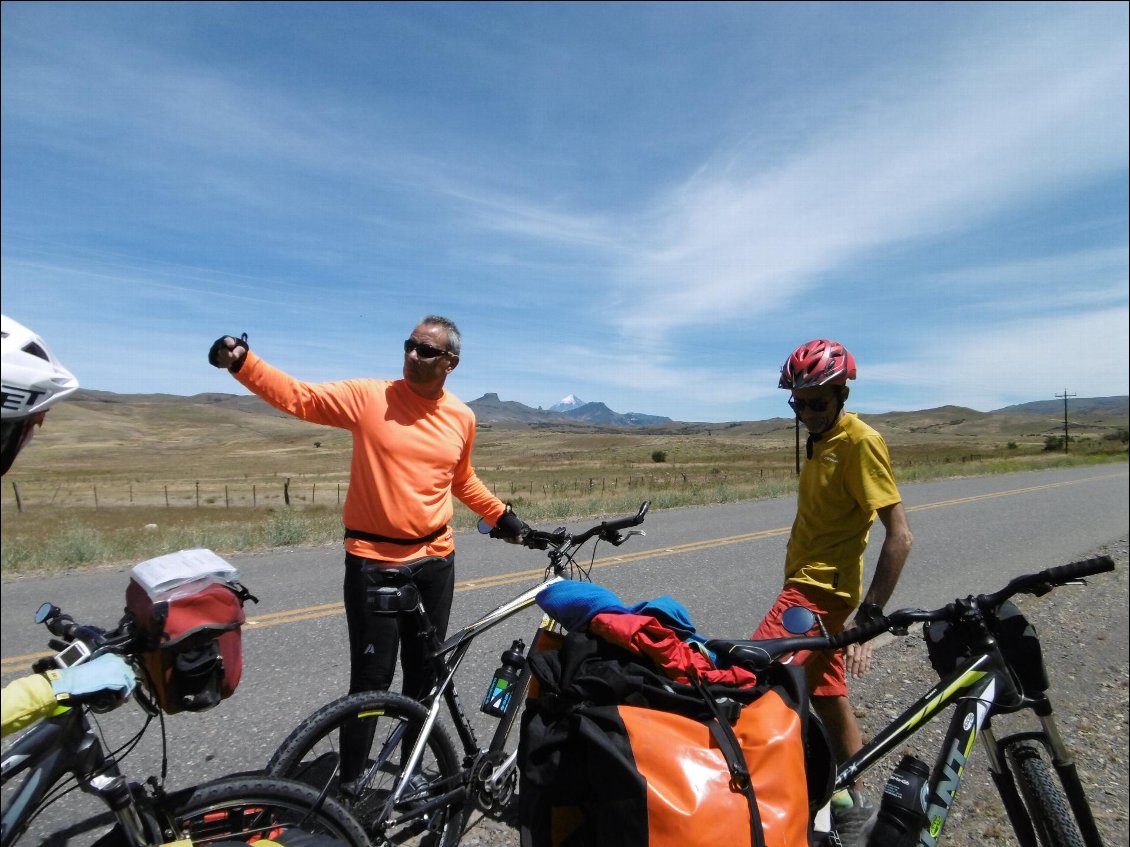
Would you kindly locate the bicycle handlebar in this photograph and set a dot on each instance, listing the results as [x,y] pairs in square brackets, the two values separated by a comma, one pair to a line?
[560,539]
[757,655]
[122,640]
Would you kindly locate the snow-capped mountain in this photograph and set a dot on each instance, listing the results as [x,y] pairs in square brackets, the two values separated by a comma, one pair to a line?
[568,404]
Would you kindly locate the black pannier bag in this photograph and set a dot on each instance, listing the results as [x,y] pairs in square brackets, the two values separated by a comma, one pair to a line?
[947,645]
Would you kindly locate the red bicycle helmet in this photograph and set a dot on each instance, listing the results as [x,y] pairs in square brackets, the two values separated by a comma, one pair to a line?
[819,362]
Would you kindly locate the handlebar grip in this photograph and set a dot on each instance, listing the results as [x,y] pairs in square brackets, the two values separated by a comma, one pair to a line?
[63,626]
[1046,580]
[623,523]
[758,654]
[859,633]
[1086,567]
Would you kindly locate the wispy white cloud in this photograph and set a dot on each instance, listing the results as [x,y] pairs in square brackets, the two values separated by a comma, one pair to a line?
[1072,280]
[1010,362]
[657,235]
[951,149]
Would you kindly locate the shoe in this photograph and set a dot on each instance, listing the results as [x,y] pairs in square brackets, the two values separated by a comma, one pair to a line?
[853,817]
[351,789]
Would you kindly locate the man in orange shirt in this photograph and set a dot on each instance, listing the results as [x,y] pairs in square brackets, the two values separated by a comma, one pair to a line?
[412,443]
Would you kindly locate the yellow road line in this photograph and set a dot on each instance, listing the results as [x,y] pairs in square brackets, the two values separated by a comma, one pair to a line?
[326,610]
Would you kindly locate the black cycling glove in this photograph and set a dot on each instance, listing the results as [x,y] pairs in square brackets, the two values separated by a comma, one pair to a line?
[510,527]
[218,345]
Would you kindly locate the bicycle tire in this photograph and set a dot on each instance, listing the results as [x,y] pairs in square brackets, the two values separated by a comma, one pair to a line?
[247,809]
[311,754]
[1047,805]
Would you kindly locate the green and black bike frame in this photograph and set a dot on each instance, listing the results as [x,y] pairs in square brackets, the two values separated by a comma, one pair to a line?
[979,688]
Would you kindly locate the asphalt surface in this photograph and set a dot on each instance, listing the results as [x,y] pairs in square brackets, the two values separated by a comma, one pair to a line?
[722,562]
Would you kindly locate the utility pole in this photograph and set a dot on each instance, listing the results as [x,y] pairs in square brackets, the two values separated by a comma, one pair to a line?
[1064,397]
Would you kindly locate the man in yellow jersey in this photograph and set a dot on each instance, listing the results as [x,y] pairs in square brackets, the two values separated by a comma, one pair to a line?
[412,443]
[845,483]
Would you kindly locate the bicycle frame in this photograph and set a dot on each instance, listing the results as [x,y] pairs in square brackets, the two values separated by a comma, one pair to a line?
[973,689]
[446,658]
[979,688]
[54,747]
[390,778]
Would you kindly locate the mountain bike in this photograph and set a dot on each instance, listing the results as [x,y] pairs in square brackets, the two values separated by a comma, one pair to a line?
[67,750]
[412,786]
[989,662]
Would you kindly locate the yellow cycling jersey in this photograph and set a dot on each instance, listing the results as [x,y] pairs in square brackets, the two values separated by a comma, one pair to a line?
[847,480]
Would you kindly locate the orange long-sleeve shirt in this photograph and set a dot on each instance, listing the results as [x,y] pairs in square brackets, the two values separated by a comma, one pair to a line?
[410,455]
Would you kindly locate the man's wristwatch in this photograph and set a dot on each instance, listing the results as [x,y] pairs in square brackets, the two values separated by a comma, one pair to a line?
[869,612]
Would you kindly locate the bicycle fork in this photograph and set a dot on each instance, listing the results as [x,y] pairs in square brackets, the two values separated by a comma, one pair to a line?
[1048,735]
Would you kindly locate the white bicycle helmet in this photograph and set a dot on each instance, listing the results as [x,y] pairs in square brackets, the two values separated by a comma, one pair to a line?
[33,381]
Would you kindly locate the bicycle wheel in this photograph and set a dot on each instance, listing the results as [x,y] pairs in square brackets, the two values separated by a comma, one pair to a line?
[1044,798]
[384,727]
[245,810]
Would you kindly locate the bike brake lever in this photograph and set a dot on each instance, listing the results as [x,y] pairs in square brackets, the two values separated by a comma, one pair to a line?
[620,538]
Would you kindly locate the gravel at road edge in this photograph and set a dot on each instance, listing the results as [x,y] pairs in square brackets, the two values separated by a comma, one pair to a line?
[1085,635]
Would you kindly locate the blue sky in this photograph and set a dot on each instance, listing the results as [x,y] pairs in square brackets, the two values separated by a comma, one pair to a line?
[648,205]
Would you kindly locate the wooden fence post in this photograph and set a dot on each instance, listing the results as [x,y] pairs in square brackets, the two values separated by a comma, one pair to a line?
[16,490]
[286,491]
[166,496]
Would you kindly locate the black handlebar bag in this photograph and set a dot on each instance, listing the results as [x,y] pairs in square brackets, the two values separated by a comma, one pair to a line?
[613,753]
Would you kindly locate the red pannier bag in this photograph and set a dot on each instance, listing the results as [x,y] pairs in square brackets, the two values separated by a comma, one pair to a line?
[192,652]
[614,753]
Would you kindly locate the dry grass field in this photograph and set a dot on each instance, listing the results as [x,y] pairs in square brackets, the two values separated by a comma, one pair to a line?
[113,478]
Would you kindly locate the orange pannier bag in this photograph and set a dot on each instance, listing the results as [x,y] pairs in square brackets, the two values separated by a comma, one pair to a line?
[614,753]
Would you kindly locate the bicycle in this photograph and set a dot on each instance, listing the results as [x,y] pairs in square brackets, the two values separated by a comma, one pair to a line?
[412,783]
[65,751]
[989,664]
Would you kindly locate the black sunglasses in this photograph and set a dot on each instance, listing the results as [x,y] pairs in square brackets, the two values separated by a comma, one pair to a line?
[423,351]
[799,405]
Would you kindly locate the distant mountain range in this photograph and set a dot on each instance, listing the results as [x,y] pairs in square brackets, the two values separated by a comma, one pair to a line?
[490,409]
[1089,405]
[572,410]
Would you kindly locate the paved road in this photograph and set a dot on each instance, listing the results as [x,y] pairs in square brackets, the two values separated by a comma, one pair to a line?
[722,562]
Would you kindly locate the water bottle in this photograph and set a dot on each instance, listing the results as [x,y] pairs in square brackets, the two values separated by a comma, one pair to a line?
[902,812]
[502,685]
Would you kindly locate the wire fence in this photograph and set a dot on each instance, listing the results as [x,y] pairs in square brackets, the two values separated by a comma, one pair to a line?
[300,492]
[191,494]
